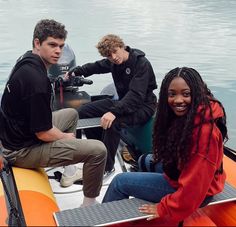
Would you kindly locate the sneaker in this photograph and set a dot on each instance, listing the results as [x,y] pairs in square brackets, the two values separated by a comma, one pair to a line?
[67,181]
[108,173]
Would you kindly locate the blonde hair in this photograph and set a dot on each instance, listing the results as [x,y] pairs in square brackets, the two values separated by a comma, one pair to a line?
[108,43]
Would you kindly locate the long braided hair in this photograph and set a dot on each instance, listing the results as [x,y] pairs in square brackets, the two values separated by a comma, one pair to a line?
[172,134]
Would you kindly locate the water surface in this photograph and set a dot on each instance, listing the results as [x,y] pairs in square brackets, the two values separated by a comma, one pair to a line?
[199,34]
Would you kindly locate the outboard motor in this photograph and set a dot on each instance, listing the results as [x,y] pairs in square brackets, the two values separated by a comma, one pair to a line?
[65,62]
[66,93]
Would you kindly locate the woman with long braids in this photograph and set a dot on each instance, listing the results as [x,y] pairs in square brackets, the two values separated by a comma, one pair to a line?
[186,164]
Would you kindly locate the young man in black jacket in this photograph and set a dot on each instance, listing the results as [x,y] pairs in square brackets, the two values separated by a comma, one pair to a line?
[32,136]
[134,80]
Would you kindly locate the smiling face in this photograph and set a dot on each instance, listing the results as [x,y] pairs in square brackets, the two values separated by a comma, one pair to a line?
[179,96]
[49,50]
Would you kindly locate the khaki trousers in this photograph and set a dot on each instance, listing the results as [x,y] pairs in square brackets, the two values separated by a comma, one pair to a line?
[65,152]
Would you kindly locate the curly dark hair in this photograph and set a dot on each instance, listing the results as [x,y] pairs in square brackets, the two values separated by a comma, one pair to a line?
[49,28]
[172,134]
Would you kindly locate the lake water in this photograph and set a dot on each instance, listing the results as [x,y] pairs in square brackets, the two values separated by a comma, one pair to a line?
[199,34]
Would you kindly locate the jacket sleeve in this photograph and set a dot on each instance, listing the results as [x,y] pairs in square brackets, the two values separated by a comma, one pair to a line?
[194,182]
[98,67]
[135,97]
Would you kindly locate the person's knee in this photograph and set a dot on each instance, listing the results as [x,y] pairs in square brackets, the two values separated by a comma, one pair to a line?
[118,181]
[72,114]
[119,177]
[99,149]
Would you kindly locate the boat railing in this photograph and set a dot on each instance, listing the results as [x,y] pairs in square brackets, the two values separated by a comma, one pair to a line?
[14,208]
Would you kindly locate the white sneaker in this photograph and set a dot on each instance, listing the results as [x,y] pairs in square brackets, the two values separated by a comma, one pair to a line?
[67,181]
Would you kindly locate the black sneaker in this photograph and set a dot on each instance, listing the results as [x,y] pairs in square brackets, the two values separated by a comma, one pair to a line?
[108,173]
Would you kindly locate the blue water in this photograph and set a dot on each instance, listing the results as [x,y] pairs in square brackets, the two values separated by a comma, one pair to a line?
[199,34]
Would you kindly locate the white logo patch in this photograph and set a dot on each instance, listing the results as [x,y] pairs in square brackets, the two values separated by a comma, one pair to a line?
[127,71]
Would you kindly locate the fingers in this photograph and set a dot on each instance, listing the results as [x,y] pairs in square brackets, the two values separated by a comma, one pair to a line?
[152,217]
[72,70]
[109,124]
[69,135]
[105,123]
[145,208]
[66,76]
[107,120]
[75,71]
[149,209]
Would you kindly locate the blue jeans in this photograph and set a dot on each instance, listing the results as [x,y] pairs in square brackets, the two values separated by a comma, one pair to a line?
[150,186]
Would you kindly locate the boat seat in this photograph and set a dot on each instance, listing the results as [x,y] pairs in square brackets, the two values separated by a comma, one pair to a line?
[121,211]
[138,141]
[88,123]
[139,138]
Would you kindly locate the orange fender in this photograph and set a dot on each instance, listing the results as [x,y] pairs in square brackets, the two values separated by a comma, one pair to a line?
[37,199]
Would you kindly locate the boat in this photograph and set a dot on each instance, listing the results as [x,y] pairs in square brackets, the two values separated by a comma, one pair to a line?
[28,199]
[37,198]
[32,197]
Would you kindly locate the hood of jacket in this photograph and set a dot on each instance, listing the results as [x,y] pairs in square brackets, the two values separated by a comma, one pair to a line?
[217,112]
[135,52]
[27,58]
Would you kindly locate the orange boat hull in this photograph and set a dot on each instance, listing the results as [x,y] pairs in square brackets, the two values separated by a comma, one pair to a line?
[37,200]
[39,204]
[223,214]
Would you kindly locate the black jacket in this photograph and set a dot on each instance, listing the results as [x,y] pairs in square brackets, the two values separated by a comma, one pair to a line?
[134,81]
[25,104]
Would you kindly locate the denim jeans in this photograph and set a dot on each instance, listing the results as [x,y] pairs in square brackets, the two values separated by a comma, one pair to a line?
[150,186]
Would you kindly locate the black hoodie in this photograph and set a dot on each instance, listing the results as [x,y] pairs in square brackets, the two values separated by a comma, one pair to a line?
[134,81]
[25,105]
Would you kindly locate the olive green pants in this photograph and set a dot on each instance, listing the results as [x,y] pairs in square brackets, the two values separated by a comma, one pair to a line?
[65,152]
